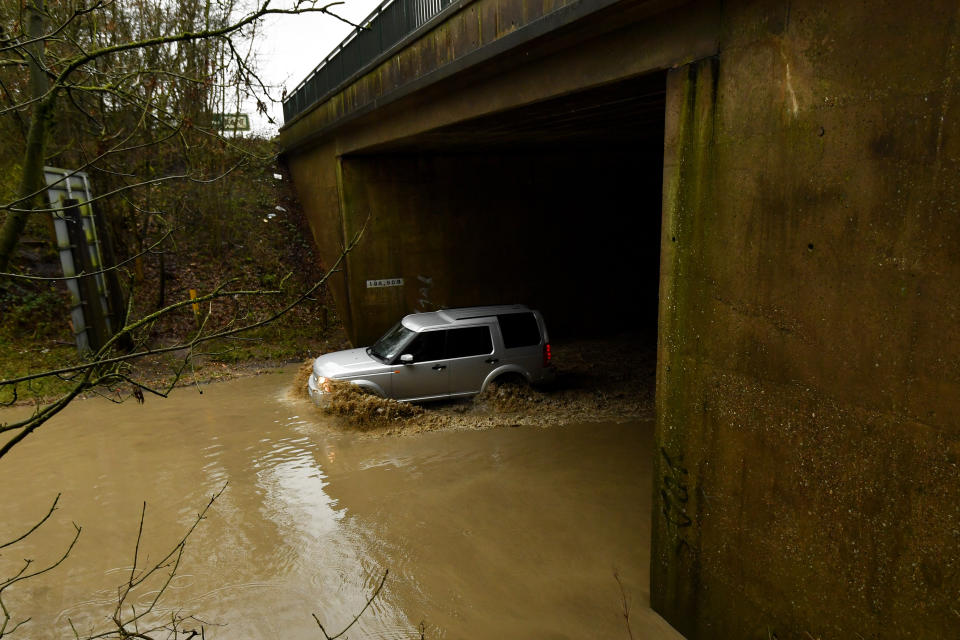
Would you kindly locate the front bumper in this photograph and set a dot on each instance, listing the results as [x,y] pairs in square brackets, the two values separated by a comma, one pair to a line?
[318,394]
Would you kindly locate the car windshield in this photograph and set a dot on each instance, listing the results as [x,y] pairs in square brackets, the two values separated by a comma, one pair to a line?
[388,346]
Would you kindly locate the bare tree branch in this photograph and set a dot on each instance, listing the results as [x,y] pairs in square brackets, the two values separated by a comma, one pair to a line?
[36,526]
[624,603]
[376,592]
[25,574]
[83,274]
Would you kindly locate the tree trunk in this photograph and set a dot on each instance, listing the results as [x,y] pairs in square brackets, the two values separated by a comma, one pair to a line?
[31,176]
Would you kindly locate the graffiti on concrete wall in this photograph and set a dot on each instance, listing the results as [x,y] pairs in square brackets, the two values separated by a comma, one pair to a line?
[674,496]
[423,301]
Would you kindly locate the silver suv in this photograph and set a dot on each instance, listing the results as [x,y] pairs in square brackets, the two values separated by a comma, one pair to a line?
[443,354]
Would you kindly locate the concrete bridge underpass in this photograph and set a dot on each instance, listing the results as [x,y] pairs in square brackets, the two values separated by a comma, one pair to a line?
[486,180]
[766,188]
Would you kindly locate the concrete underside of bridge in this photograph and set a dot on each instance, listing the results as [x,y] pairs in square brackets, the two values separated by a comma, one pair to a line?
[791,167]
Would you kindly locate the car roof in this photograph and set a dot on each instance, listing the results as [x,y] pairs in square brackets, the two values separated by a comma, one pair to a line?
[430,319]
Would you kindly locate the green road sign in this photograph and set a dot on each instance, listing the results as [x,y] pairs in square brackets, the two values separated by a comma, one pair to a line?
[231,121]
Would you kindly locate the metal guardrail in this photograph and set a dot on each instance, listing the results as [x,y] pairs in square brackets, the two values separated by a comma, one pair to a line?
[389,24]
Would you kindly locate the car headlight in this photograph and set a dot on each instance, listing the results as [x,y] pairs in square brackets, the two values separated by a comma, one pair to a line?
[323,384]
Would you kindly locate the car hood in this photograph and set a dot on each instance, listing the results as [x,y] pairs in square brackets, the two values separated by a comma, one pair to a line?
[344,363]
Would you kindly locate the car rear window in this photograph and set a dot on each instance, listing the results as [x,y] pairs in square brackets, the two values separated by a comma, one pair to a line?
[519,330]
[469,341]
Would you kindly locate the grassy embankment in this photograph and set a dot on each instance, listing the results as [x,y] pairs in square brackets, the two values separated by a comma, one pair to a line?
[247,239]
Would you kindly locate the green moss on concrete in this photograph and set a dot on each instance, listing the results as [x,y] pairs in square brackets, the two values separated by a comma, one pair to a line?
[675,567]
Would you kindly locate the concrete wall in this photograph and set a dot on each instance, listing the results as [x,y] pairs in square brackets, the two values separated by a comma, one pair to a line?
[317,180]
[808,390]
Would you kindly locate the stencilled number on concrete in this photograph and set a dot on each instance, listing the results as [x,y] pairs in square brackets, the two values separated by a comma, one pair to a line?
[384,282]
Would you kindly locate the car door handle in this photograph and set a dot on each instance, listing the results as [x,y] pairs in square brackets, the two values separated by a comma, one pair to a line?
[492,361]
[439,367]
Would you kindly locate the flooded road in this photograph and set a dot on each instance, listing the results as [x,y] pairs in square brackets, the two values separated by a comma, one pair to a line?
[499,533]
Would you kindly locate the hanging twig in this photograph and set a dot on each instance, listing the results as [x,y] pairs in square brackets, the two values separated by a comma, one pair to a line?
[356,617]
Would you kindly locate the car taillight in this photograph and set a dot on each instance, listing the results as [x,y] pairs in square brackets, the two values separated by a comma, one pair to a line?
[547,356]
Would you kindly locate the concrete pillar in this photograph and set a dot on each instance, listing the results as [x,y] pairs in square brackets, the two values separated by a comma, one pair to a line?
[688,146]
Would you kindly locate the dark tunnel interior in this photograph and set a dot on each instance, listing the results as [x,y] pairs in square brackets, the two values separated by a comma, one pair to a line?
[556,205]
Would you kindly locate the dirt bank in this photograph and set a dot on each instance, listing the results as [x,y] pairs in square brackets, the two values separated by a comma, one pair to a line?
[611,379]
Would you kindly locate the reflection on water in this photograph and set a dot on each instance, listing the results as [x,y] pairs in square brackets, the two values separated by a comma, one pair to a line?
[499,533]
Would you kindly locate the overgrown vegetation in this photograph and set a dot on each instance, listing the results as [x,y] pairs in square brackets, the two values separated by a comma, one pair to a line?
[128,92]
[260,245]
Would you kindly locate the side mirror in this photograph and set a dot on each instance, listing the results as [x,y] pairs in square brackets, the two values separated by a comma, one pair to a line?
[406,358]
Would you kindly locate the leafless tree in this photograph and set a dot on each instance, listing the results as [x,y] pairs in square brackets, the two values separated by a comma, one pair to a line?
[116,79]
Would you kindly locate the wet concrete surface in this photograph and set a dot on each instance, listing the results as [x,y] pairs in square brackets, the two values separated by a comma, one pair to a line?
[505,532]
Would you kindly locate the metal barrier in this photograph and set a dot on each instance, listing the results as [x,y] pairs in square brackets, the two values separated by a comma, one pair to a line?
[389,24]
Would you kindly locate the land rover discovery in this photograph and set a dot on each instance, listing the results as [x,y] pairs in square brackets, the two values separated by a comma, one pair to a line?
[443,354]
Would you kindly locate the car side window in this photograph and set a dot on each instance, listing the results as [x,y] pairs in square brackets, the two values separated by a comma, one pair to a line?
[469,341]
[519,330]
[427,346]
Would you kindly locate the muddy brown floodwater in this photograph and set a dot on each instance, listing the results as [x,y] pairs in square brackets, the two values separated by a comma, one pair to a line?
[496,533]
